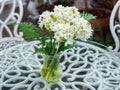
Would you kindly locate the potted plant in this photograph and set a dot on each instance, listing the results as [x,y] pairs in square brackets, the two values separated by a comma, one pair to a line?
[64,25]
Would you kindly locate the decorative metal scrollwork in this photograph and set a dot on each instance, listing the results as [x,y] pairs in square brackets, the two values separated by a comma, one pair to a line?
[85,67]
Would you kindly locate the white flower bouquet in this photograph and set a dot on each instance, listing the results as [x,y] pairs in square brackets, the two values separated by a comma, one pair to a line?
[64,24]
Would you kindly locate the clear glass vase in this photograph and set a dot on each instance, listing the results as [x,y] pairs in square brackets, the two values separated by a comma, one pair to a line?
[51,70]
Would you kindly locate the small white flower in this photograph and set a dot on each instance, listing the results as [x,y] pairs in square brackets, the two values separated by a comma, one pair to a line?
[66,24]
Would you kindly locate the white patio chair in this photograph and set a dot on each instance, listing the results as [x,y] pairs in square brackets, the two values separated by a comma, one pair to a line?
[115,29]
[11,12]
[115,26]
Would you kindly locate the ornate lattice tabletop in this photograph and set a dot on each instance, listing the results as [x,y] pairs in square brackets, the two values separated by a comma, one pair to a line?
[86,67]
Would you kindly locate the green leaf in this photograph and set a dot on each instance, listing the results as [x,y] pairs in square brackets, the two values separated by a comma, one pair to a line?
[30,31]
[40,50]
[63,47]
[87,16]
[43,40]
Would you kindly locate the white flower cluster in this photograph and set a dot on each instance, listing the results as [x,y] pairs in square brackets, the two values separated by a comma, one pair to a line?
[66,24]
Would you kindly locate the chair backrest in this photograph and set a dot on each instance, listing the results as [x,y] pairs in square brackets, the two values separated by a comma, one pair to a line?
[115,25]
[11,12]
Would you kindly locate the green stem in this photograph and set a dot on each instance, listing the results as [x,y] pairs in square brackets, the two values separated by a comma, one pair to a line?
[57,48]
[50,49]
[51,68]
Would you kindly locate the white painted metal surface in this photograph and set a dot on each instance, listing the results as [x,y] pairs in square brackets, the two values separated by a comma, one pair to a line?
[115,25]
[8,17]
[85,67]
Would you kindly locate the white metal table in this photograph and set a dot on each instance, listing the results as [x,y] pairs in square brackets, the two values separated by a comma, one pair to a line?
[86,67]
